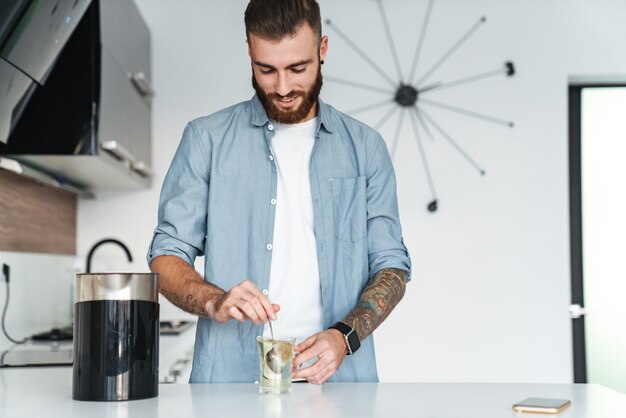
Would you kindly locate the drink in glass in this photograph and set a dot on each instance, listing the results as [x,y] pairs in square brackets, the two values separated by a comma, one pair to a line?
[275,364]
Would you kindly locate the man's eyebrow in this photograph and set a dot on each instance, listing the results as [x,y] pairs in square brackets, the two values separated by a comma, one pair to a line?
[300,63]
[261,64]
[295,64]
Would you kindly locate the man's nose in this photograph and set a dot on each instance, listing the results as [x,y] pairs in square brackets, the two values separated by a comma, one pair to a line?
[283,85]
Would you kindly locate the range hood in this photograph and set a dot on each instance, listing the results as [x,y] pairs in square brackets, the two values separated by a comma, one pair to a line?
[32,35]
[85,117]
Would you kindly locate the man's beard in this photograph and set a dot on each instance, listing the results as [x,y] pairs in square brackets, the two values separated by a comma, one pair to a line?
[309,98]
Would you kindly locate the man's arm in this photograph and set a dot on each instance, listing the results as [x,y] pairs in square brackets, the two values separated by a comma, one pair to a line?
[185,288]
[378,299]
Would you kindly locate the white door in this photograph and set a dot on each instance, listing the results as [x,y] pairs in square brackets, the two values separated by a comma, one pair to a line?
[603,227]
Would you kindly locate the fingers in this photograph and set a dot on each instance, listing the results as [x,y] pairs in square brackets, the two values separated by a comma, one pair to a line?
[305,344]
[245,302]
[319,372]
[236,313]
[266,307]
[251,309]
[323,376]
[260,302]
[307,351]
[330,352]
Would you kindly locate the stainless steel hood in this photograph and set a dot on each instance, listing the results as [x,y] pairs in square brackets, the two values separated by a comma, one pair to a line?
[87,119]
[32,34]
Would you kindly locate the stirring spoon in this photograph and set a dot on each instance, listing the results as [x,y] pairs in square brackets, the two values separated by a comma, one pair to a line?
[271,358]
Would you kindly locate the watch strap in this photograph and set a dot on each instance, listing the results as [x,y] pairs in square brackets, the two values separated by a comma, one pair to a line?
[350,335]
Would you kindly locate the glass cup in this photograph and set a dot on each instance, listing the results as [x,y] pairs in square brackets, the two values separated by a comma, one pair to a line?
[275,364]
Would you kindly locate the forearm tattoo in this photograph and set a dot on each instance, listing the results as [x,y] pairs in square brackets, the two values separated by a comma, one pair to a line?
[377,301]
[187,304]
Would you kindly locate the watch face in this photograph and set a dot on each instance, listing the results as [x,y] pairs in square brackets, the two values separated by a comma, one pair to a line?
[353,342]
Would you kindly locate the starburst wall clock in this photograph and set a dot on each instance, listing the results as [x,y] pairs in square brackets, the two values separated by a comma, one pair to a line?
[412,95]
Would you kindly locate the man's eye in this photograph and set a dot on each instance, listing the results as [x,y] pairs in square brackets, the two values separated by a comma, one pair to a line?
[266,71]
[298,70]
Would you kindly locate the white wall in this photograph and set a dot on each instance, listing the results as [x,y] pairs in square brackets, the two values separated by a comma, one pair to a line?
[41,293]
[490,289]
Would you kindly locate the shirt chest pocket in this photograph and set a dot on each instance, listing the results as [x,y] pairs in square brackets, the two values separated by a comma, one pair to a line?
[349,208]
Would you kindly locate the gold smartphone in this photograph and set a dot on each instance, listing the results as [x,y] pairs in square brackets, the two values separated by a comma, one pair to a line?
[542,405]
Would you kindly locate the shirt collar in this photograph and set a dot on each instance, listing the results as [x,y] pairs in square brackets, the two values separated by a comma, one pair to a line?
[259,117]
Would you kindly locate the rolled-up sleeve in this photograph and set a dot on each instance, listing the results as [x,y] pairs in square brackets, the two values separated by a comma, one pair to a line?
[384,233]
[182,215]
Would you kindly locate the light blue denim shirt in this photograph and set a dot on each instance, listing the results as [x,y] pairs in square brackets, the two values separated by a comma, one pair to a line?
[217,201]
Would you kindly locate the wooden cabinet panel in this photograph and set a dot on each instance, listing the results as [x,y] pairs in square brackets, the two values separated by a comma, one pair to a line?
[36,218]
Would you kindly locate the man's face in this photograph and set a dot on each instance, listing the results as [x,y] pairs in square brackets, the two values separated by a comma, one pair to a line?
[286,74]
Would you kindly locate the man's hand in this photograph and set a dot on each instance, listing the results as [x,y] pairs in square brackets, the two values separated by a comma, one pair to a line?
[244,302]
[330,349]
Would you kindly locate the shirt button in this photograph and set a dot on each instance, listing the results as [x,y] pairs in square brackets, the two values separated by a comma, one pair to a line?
[269,247]
[273,201]
[266,292]
[271,157]
[256,382]
[270,127]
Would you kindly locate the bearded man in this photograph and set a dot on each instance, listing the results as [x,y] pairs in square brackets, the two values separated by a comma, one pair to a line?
[293,205]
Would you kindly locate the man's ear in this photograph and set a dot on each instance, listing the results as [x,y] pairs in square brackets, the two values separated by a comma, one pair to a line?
[323,47]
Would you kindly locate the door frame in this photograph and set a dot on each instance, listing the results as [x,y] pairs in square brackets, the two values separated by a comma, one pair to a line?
[575,87]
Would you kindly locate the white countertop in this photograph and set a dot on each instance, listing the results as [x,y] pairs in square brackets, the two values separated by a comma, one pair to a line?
[48,392]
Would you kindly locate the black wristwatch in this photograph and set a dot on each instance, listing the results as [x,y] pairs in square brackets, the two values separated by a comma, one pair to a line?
[350,335]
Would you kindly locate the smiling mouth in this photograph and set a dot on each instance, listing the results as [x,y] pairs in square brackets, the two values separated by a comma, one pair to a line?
[286,101]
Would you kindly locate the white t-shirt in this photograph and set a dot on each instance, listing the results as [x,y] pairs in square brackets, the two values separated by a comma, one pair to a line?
[294,275]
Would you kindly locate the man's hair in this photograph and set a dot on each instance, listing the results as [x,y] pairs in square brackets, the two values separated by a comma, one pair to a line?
[276,19]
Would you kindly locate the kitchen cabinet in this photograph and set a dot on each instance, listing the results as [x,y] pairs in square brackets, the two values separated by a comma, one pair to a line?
[126,70]
[90,122]
[124,118]
[175,356]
